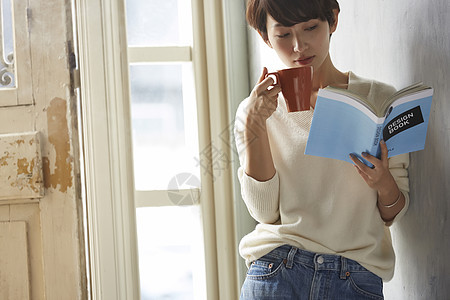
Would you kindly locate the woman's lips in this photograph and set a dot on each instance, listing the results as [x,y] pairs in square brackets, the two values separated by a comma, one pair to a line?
[305,60]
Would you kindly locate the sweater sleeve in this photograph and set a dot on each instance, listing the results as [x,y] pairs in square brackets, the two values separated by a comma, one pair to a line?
[260,197]
[398,165]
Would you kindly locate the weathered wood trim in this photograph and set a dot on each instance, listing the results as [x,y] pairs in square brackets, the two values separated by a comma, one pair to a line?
[20,166]
[14,261]
[28,214]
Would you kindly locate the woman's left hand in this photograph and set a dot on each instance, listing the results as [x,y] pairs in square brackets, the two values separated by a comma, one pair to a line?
[378,177]
[390,199]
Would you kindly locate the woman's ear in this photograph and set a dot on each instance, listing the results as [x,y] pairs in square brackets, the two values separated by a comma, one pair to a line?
[265,38]
[334,25]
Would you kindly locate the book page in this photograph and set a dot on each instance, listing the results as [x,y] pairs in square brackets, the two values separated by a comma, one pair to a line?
[405,127]
[351,98]
[405,94]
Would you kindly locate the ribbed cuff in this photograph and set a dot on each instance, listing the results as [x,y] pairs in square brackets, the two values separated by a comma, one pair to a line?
[261,197]
[403,211]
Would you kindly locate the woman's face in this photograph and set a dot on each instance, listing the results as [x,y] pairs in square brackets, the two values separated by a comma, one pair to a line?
[303,44]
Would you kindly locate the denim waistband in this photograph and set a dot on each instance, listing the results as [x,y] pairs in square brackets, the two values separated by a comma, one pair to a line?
[318,261]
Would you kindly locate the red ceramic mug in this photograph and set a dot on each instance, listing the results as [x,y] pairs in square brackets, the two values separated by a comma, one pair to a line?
[296,86]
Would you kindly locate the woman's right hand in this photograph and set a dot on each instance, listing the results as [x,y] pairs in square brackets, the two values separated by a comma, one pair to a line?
[262,101]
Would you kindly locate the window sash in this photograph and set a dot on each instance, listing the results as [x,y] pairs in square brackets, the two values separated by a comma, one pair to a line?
[159,54]
[163,198]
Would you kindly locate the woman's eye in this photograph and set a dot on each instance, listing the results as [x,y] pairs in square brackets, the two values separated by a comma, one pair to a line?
[282,35]
[311,28]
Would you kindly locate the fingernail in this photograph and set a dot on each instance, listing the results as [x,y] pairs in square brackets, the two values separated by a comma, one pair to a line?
[382,141]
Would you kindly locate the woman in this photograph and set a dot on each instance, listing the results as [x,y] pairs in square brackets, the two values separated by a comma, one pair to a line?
[323,223]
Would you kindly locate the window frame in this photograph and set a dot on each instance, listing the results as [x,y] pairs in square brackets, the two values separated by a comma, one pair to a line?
[112,260]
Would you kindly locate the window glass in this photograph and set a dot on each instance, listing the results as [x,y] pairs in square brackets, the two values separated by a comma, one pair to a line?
[7,72]
[164,124]
[170,255]
[159,23]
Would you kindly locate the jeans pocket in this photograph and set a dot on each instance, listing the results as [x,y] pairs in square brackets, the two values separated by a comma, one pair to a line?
[264,268]
[367,284]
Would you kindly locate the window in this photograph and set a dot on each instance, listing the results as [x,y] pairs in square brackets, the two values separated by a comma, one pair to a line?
[110,188]
[7,72]
[165,148]
[15,55]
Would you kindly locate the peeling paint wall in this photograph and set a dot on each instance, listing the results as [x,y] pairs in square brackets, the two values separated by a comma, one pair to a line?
[20,166]
[47,104]
[60,173]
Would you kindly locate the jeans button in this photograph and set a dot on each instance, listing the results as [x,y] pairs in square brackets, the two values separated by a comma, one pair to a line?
[320,260]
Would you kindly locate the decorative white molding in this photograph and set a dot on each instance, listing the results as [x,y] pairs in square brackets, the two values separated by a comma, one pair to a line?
[112,240]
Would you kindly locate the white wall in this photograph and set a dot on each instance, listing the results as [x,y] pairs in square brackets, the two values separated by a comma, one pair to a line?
[401,42]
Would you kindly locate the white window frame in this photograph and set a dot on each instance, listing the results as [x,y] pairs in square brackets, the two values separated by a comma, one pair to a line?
[111,225]
[106,129]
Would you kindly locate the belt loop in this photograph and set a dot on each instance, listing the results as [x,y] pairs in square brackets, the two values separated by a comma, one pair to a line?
[290,257]
[343,268]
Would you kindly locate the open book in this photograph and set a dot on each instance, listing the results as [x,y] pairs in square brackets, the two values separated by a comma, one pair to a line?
[345,123]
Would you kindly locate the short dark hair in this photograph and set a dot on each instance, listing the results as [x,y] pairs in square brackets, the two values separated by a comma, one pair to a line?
[288,12]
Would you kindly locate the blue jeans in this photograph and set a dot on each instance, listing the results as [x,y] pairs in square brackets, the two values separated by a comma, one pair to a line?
[291,273]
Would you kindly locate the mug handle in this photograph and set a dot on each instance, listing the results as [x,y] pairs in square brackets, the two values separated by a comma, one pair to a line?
[275,74]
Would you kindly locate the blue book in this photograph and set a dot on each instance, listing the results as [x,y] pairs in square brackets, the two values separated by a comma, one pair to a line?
[345,123]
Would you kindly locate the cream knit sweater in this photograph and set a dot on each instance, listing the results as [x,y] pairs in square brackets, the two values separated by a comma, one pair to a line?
[313,203]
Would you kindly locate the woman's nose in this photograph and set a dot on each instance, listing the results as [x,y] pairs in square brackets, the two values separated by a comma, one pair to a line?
[299,44]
